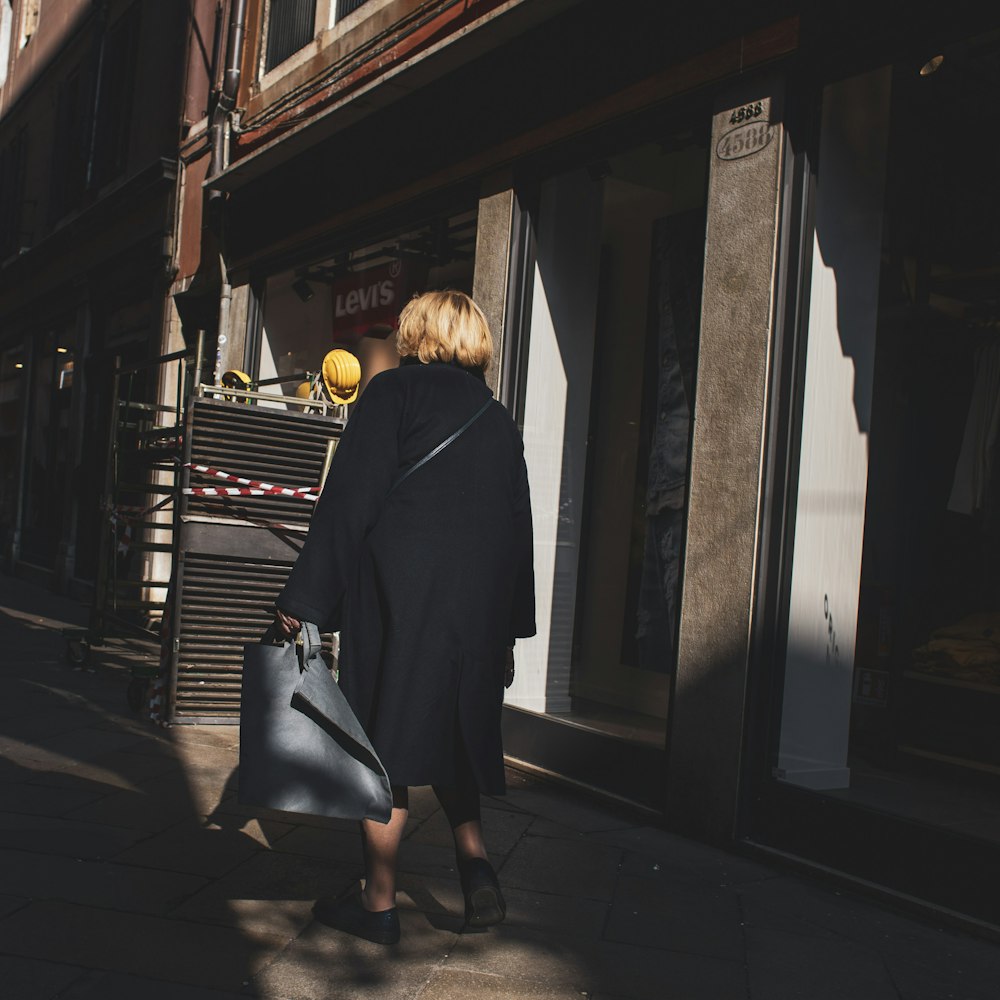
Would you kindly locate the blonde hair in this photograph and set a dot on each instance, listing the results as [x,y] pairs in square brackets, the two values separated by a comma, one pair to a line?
[445,326]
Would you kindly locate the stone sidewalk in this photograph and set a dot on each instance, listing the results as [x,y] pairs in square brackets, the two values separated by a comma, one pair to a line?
[127,869]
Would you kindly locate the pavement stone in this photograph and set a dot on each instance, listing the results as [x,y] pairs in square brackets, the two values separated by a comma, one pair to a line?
[8,904]
[28,979]
[456,984]
[270,893]
[94,883]
[423,802]
[28,725]
[199,848]
[427,859]
[706,921]
[673,859]
[119,769]
[918,977]
[528,912]
[158,884]
[578,868]
[35,800]
[208,737]
[323,964]
[116,986]
[50,835]
[89,742]
[553,803]
[161,802]
[783,966]
[341,846]
[154,947]
[589,967]
[502,829]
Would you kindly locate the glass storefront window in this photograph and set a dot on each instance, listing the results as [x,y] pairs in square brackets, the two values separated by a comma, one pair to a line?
[13,373]
[892,672]
[352,299]
[608,399]
[47,473]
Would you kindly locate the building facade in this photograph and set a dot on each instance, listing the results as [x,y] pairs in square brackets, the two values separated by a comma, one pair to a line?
[744,285]
[92,107]
[742,270]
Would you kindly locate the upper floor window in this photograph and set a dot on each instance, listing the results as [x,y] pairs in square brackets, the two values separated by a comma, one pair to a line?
[291,24]
[13,161]
[6,30]
[117,88]
[68,179]
[345,7]
[30,11]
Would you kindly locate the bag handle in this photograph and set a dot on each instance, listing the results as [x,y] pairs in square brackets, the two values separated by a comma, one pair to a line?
[312,645]
[444,444]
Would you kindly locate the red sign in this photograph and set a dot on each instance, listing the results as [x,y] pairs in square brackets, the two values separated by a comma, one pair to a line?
[368,302]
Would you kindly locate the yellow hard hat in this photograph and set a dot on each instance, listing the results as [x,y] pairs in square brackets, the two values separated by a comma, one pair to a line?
[304,390]
[341,375]
[235,380]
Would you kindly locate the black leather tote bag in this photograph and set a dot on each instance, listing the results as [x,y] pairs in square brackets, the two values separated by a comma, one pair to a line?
[302,749]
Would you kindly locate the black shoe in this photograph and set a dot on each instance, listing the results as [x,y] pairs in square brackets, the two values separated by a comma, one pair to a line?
[484,902]
[349,916]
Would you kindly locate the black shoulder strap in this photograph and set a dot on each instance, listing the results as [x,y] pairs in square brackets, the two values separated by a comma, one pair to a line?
[444,444]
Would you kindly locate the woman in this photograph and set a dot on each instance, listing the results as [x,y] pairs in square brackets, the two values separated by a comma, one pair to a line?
[429,584]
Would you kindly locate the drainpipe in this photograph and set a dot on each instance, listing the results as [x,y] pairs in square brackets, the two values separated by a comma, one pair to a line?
[226,103]
[219,130]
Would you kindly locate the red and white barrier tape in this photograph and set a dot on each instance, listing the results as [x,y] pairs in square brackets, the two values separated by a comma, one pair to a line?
[244,491]
[262,489]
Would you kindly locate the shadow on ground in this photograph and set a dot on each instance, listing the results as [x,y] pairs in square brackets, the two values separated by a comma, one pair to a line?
[127,868]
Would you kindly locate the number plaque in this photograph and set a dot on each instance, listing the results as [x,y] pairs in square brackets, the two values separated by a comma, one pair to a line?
[744,140]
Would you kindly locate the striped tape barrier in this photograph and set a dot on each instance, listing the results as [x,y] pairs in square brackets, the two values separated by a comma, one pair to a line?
[246,487]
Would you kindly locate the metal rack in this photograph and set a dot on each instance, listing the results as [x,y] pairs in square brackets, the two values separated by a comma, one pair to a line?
[233,554]
[137,506]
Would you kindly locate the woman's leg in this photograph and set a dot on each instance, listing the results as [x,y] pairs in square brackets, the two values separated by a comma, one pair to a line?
[460,803]
[381,846]
[484,902]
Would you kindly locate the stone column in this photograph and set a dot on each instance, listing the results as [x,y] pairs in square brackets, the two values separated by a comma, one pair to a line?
[489,282]
[731,400]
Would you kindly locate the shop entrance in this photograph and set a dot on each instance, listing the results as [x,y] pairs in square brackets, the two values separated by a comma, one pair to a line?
[351,298]
[608,396]
[886,761]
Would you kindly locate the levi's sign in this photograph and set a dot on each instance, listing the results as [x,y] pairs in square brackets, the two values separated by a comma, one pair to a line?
[369,301]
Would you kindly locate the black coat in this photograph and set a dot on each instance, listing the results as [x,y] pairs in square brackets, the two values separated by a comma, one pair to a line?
[427,585]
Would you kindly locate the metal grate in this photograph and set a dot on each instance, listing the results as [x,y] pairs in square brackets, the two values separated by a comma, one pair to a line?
[255,442]
[291,24]
[230,572]
[226,601]
[345,7]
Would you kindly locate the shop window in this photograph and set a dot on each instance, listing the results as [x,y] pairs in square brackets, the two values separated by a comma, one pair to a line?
[608,396]
[48,455]
[291,25]
[352,299]
[13,373]
[892,672]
